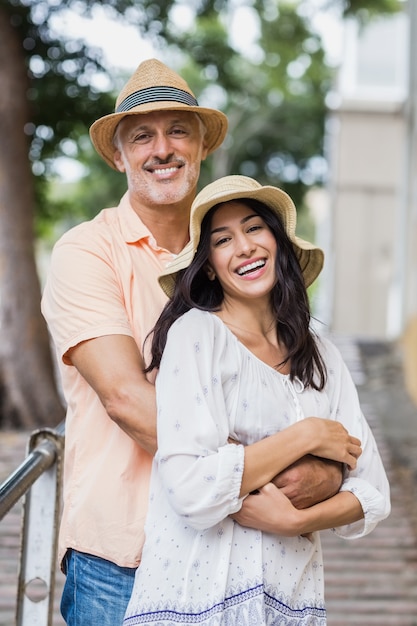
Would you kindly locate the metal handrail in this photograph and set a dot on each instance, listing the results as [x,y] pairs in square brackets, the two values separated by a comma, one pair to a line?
[39,480]
[37,462]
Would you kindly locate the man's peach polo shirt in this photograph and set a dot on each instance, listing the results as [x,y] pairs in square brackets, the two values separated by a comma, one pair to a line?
[102,281]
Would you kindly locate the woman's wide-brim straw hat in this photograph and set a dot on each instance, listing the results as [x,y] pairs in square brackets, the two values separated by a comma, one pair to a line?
[155,87]
[310,257]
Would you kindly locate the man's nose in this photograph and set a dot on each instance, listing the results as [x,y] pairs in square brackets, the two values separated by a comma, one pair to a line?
[162,146]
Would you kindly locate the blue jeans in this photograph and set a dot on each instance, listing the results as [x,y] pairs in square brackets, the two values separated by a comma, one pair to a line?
[96,591]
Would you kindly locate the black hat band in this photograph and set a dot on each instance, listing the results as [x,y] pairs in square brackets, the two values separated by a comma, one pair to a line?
[156,94]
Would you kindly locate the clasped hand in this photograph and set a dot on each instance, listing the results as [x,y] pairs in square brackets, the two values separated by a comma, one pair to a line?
[312,479]
[272,510]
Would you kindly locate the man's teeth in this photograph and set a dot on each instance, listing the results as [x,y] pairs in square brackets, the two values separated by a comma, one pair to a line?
[166,170]
[250,267]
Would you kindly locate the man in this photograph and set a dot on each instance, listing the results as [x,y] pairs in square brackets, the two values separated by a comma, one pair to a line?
[101,300]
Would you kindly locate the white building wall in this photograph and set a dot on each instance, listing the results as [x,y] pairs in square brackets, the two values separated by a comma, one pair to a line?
[361,292]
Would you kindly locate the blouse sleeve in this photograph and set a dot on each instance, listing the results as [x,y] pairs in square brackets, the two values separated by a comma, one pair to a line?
[368,482]
[200,471]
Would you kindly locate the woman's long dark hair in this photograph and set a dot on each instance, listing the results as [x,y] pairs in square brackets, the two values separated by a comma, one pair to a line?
[289,300]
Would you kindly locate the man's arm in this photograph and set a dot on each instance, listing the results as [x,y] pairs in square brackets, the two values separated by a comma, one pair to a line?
[113,366]
[310,480]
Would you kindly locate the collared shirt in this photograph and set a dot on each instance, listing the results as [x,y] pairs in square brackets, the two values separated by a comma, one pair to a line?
[102,281]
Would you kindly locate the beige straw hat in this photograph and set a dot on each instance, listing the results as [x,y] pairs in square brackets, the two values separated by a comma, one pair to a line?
[155,87]
[227,188]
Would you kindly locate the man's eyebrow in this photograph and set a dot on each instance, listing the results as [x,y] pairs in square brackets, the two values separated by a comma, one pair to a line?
[138,127]
[175,120]
[242,221]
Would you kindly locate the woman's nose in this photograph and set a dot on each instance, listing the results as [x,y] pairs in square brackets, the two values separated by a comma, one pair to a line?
[245,245]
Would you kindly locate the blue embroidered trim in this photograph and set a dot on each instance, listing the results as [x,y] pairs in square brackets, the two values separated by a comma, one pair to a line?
[274,604]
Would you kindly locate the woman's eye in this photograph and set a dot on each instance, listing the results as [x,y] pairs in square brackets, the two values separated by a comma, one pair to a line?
[219,242]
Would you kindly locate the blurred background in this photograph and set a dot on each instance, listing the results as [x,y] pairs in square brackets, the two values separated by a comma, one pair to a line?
[321,100]
[321,97]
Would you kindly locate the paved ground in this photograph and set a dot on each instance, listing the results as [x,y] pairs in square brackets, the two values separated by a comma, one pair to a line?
[371,581]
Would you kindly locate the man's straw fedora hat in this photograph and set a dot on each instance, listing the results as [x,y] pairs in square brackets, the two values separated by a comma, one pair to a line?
[155,87]
[310,257]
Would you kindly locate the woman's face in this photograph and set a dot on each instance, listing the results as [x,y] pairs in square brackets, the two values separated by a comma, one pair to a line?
[242,252]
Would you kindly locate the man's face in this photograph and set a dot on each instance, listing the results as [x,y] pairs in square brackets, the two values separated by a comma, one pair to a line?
[160,153]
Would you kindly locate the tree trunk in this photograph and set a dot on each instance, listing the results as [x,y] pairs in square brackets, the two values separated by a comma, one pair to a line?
[28,394]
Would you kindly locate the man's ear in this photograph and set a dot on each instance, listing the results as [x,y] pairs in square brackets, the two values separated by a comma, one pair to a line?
[204,152]
[209,271]
[118,160]
[204,147]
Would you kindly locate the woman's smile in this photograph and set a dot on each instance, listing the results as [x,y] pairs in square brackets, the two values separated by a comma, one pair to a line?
[251,267]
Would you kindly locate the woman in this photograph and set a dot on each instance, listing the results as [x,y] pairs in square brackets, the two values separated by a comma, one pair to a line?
[245,389]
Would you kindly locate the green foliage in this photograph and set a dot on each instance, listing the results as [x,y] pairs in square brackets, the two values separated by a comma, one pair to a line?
[62,96]
[289,93]
[275,103]
[60,79]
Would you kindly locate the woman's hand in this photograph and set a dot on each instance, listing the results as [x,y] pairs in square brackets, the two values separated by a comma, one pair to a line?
[269,511]
[331,440]
[272,512]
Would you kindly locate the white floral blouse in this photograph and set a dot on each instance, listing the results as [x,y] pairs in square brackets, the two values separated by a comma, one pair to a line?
[198,565]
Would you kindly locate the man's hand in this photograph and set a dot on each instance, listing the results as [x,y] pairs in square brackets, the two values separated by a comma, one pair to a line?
[310,480]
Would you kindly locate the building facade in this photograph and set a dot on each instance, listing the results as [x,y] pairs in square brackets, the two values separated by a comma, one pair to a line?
[369,225]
